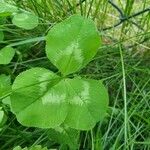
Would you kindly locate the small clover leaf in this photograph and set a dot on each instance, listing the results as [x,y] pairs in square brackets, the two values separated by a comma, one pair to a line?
[25,20]
[6,55]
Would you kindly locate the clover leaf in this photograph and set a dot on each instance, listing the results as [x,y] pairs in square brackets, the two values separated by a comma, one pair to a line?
[6,55]
[25,20]
[40,98]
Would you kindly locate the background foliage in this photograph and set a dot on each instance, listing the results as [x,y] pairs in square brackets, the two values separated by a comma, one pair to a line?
[122,63]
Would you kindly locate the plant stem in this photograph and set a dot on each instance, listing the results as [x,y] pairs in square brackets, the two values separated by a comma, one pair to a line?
[125,98]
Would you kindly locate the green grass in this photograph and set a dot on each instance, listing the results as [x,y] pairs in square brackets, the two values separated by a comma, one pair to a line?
[122,63]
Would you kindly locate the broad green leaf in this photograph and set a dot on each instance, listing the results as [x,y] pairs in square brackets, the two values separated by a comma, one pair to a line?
[25,20]
[64,135]
[40,99]
[6,55]
[88,102]
[35,102]
[7,9]
[1,36]
[5,85]
[72,44]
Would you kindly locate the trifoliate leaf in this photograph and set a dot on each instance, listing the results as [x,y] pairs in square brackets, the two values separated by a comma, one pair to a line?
[6,55]
[25,20]
[71,44]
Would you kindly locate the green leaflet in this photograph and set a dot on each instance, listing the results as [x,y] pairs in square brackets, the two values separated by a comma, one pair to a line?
[6,55]
[88,101]
[37,102]
[5,89]
[39,105]
[5,85]
[25,20]
[71,44]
